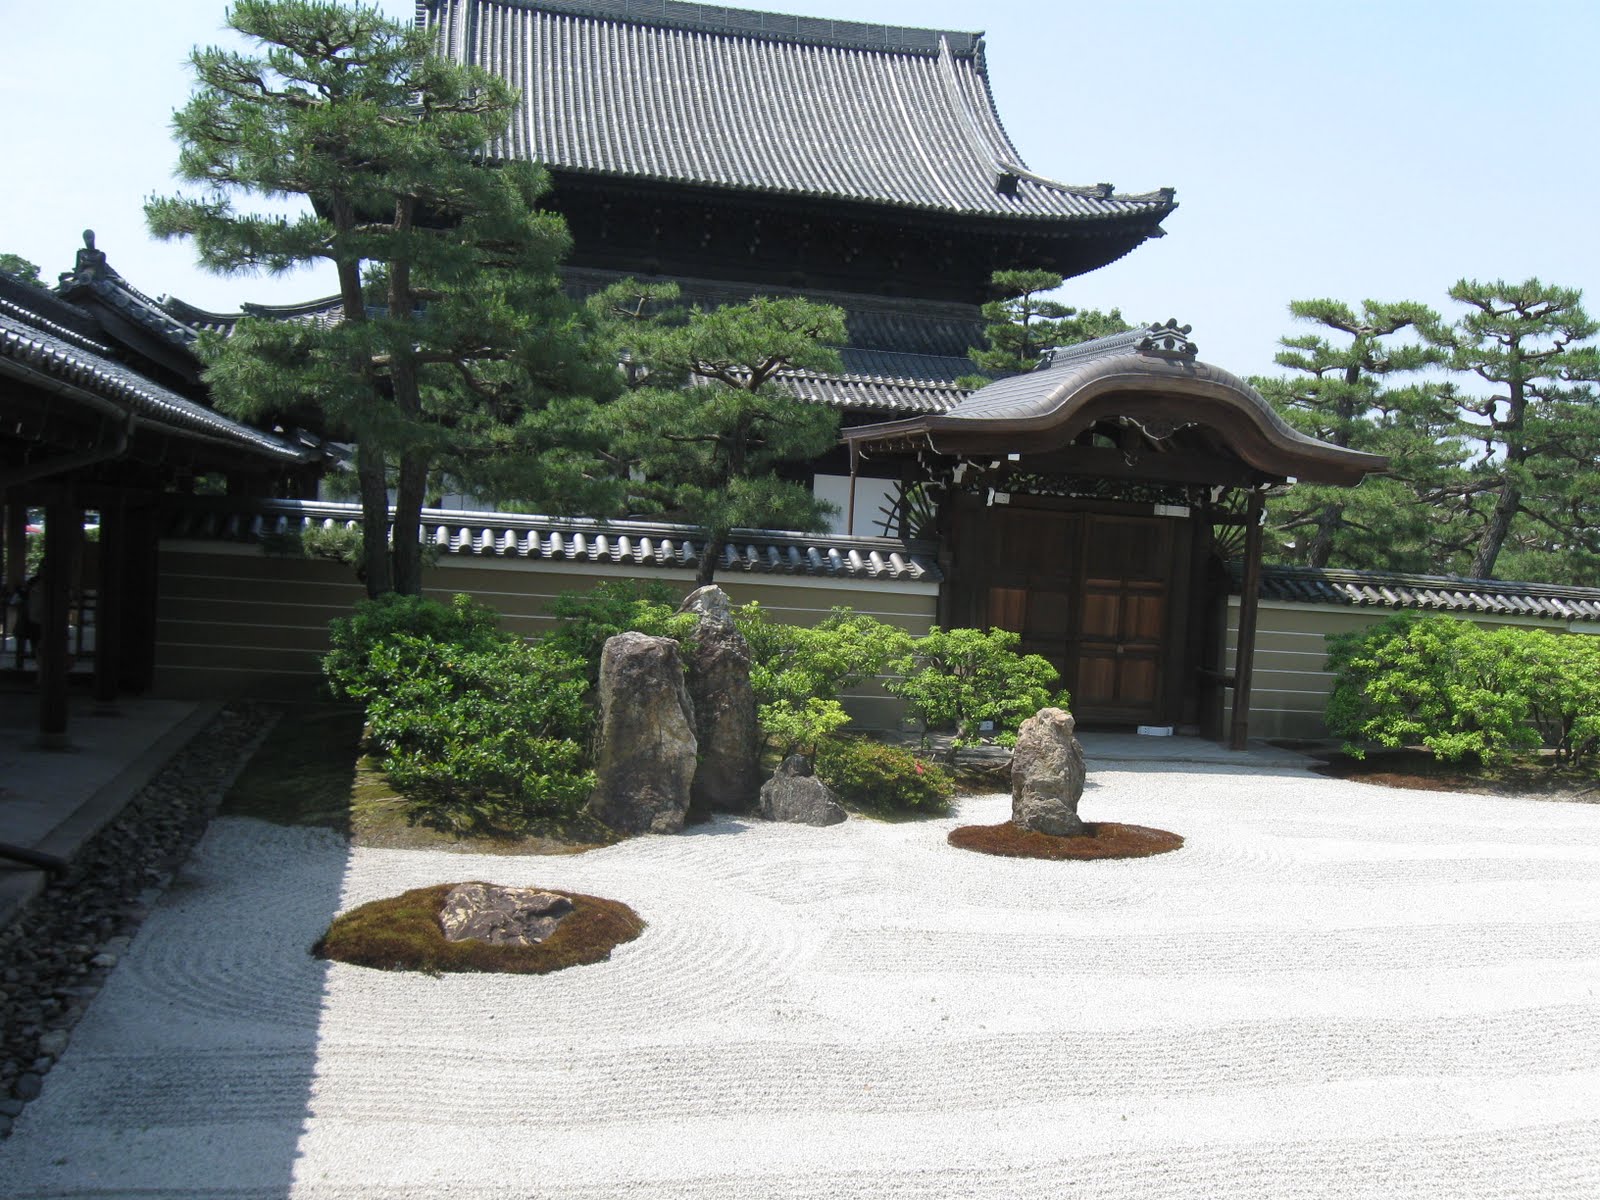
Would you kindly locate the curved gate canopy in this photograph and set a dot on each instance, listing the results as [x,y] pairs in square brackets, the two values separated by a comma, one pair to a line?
[1142,396]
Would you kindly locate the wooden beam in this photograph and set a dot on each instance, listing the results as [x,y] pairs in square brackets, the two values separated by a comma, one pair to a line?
[1245,652]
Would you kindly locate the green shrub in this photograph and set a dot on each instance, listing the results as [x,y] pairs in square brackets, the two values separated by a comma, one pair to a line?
[961,678]
[883,778]
[348,667]
[585,620]
[1435,681]
[797,728]
[1562,673]
[797,672]
[482,731]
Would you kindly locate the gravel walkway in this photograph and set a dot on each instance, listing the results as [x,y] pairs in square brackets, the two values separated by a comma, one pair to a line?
[1332,990]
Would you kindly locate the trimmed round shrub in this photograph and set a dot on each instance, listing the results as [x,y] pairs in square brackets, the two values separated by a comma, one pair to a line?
[882,778]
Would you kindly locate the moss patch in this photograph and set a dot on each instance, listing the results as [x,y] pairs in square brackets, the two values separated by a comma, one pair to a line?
[402,934]
[310,771]
[1536,776]
[1100,839]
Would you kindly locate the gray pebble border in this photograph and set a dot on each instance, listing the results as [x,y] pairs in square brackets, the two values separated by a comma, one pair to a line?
[57,953]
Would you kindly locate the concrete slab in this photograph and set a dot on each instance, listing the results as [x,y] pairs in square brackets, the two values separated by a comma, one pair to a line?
[53,801]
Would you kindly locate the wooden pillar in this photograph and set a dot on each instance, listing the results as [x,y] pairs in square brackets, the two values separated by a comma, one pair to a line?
[63,531]
[1249,596]
[16,565]
[108,603]
[137,635]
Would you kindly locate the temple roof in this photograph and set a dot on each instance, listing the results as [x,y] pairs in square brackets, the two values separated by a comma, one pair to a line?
[46,343]
[657,90]
[1147,378]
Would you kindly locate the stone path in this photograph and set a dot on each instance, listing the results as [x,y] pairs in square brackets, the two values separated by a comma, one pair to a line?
[1333,990]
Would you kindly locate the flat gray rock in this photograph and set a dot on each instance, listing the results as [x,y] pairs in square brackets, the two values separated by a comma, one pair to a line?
[501,916]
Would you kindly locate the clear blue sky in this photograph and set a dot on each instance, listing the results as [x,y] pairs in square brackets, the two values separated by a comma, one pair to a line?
[1352,149]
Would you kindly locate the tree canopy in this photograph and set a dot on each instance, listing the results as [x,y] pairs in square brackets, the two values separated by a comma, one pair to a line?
[1023,323]
[703,433]
[455,349]
[1347,390]
[1531,425]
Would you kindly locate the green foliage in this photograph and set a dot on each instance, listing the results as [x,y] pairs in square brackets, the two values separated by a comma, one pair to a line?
[1341,393]
[1533,436]
[961,678]
[713,454]
[882,778]
[798,672]
[484,732]
[456,350]
[799,726]
[1439,682]
[20,268]
[585,620]
[332,542]
[1022,325]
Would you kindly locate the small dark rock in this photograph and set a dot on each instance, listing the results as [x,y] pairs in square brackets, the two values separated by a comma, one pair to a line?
[28,1086]
[795,795]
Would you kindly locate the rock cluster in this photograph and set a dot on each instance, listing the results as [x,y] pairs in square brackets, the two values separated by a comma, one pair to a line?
[57,953]
[724,707]
[796,795]
[501,916]
[648,749]
[1047,774]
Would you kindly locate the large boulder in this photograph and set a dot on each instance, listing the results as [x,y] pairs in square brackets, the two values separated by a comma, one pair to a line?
[794,794]
[647,750]
[501,916]
[1047,774]
[724,707]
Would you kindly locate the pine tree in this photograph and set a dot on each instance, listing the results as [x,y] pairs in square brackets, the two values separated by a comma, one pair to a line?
[1342,394]
[20,268]
[1530,487]
[456,349]
[703,432]
[1023,324]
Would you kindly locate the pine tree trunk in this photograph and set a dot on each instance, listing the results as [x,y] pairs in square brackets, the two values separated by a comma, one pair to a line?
[1494,537]
[1320,549]
[374,518]
[407,524]
[710,555]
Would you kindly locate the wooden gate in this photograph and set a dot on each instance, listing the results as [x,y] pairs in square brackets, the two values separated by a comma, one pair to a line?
[1101,595]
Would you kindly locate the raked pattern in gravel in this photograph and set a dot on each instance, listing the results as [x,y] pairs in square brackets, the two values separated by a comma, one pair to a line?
[1333,990]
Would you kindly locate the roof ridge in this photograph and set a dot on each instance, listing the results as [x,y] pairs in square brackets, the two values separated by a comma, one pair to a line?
[767,26]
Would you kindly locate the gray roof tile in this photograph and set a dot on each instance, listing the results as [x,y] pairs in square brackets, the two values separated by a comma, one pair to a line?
[1433,593]
[725,98]
[561,539]
[49,349]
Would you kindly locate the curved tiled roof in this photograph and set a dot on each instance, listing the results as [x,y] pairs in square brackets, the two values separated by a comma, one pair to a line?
[574,540]
[1151,375]
[725,98]
[42,351]
[1434,593]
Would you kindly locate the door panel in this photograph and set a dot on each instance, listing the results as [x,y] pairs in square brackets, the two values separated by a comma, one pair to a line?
[1090,592]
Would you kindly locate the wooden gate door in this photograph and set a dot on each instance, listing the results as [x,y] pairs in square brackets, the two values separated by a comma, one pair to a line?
[1091,592]
[1123,645]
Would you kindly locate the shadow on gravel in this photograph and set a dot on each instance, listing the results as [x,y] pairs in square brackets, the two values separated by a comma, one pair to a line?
[192,1073]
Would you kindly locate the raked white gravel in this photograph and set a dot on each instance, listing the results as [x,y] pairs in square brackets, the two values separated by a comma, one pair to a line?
[1333,990]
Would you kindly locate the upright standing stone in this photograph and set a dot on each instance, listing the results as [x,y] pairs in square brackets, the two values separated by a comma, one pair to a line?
[647,743]
[728,777]
[1047,774]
